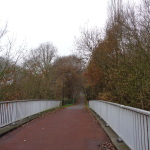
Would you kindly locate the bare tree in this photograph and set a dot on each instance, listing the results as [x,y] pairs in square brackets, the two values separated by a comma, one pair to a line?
[3,31]
[41,59]
[87,41]
[40,66]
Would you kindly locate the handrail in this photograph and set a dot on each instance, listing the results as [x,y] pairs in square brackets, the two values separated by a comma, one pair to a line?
[132,125]
[13,101]
[12,111]
[128,107]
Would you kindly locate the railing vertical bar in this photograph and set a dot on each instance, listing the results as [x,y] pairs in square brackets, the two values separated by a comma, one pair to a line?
[148,131]
[0,115]
[4,114]
[142,133]
[134,132]
[139,130]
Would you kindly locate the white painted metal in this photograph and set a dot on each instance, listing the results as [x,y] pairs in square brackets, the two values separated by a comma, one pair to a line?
[12,111]
[132,125]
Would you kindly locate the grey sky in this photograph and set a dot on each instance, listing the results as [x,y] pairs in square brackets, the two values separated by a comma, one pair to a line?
[58,21]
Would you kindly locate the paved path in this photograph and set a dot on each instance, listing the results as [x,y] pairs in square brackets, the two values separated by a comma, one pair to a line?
[79,106]
[67,129]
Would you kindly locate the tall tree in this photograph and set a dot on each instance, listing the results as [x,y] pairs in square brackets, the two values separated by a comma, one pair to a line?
[68,77]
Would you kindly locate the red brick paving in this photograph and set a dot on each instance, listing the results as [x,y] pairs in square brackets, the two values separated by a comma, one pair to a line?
[67,129]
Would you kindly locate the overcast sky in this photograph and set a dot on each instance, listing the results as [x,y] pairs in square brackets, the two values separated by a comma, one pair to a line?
[57,21]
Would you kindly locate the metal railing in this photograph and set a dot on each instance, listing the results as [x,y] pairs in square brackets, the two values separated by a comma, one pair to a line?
[132,125]
[12,111]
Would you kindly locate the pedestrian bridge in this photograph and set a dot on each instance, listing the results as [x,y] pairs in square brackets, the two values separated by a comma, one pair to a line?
[130,124]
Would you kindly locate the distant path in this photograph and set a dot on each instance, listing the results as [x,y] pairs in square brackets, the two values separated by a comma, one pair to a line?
[68,129]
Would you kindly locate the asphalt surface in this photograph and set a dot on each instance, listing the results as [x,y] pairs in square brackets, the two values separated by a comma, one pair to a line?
[72,128]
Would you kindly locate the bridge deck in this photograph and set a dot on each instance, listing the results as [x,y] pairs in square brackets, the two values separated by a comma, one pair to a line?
[71,128]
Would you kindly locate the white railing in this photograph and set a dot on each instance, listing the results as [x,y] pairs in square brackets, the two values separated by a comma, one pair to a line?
[132,125]
[12,111]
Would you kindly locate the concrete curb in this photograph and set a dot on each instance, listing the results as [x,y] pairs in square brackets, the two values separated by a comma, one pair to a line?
[10,127]
[111,134]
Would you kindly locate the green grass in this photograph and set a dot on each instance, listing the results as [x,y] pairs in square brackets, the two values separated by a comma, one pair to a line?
[67,105]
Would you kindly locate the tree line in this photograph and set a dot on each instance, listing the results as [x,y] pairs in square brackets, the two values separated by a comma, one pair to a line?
[118,66]
[41,75]
[112,63]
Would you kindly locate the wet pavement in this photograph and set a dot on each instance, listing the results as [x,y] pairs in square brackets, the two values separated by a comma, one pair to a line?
[71,128]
